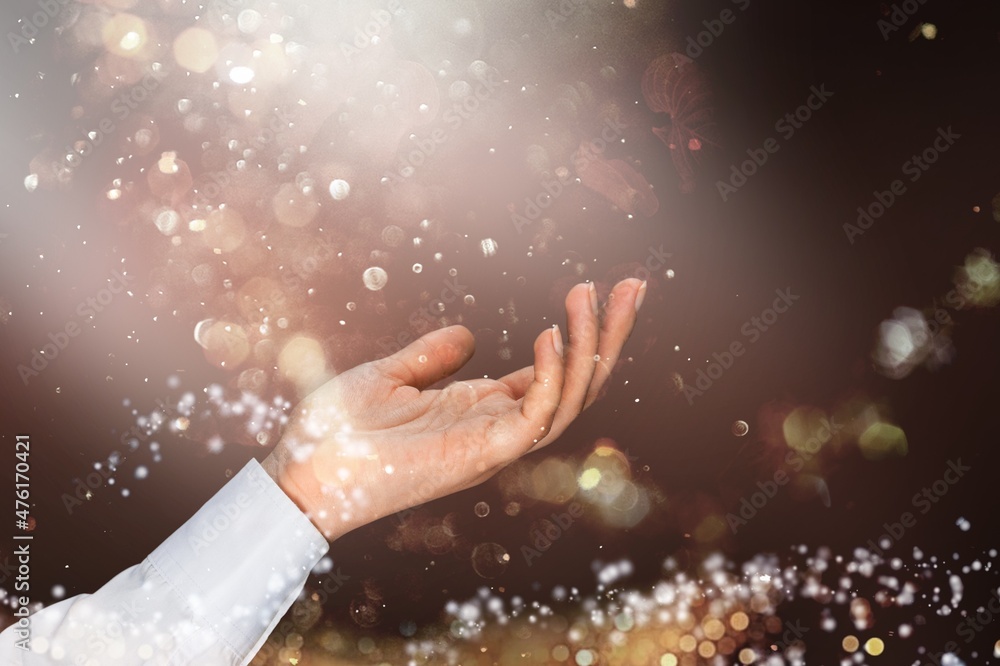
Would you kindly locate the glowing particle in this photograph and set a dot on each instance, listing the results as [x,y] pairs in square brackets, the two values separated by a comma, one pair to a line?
[850,644]
[241,75]
[874,646]
[31,182]
[670,274]
[167,221]
[124,34]
[141,472]
[130,41]
[590,478]
[740,428]
[963,524]
[482,509]
[714,629]
[375,278]
[418,268]
[928,30]
[488,246]
[340,189]
[249,20]
[168,163]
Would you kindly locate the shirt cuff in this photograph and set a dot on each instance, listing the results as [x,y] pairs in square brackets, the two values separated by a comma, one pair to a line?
[240,561]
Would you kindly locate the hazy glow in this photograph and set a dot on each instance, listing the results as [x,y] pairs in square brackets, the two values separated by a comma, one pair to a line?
[196,50]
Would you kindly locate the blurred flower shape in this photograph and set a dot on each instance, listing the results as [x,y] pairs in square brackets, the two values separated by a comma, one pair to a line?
[979,279]
[674,85]
[904,342]
[616,181]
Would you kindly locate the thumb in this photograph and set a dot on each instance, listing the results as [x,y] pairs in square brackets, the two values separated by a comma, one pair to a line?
[429,359]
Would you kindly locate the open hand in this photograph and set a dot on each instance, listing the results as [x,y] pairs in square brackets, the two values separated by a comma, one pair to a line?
[375,439]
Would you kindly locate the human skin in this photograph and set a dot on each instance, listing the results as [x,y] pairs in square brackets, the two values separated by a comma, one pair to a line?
[377,439]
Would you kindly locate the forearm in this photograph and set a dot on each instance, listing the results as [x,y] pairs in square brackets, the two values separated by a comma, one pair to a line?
[210,593]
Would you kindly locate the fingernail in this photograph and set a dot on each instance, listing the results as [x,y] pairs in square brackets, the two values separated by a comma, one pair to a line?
[593,299]
[640,296]
[557,342]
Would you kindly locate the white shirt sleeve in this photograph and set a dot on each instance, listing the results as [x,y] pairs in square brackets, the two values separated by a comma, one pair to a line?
[210,594]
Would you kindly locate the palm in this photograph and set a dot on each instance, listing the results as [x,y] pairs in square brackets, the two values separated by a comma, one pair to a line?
[378,439]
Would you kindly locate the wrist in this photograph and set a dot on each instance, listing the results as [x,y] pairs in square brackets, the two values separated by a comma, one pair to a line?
[278,467]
